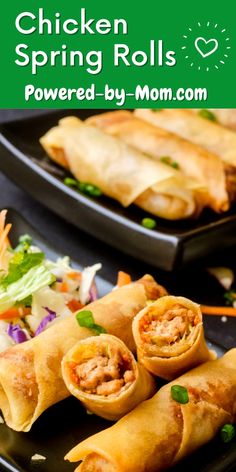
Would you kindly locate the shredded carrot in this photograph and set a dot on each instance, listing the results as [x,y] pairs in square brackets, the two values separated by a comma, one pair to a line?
[72,366]
[74,275]
[74,305]
[64,287]
[15,312]
[123,279]
[218,310]
[4,241]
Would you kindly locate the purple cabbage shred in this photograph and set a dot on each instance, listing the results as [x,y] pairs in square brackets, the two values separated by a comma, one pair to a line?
[47,319]
[16,333]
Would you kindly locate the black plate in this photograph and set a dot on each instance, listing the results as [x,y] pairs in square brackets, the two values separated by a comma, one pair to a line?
[169,246]
[65,424]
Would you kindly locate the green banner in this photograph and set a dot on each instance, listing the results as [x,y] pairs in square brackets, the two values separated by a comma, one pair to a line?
[90,54]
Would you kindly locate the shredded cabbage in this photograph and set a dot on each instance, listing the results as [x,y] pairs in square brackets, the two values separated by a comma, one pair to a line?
[36,278]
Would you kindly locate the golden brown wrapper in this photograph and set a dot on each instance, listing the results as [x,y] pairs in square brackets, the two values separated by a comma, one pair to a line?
[193,161]
[208,134]
[30,373]
[177,343]
[160,431]
[115,405]
[120,171]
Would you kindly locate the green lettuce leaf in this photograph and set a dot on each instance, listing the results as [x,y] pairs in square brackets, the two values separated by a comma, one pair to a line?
[35,279]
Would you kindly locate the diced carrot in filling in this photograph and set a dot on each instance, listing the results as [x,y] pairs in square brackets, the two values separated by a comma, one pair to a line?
[169,327]
[103,375]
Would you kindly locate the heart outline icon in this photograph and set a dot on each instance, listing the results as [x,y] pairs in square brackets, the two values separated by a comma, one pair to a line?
[204,55]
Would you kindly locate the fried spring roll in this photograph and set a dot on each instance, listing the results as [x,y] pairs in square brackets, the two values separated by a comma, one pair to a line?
[205,133]
[193,161]
[224,116]
[120,171]
[30,373]
[103,374]
[161,431]
[169,337]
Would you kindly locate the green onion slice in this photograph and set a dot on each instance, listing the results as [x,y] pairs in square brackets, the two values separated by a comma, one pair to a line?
[227,433]
[86,320]
[89,189]
[167,160]
[207,114]
[84,187]
[230,297]
[71,182]
[148,223]
[179,394]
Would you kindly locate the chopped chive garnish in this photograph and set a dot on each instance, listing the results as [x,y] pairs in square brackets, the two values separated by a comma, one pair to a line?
[89,189]
[227,433]
[86,320]
[207,114]
[71,182]
[149,223]
[167,160]
[179,394]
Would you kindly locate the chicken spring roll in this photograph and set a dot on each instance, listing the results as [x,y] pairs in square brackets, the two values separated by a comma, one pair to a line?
[30,372]
[224,116]
[162,430]
[103,373]
[206,133]
[169,337]
[120,171]
[192,160]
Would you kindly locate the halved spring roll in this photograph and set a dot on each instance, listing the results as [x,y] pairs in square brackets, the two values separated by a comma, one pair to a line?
[120,171]
[205,133]
[161,431]
[103,374]
[161,145]
[169,337]
[224,116]
[30,373]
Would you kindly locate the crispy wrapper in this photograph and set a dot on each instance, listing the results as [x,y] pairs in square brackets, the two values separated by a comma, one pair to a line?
[169,337]
[30,373]
[160,431]
[103,374]
[224,116]
[119,170]
[195,162]
[205,133]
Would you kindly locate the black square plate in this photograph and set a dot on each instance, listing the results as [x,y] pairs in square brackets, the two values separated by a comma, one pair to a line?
[171,245]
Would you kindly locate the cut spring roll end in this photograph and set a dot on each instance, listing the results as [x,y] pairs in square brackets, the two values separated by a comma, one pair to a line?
[103,374]
[169,337]
[163,430]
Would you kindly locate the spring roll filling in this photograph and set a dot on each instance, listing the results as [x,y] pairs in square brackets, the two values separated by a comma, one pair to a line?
[106,373]
[165,329]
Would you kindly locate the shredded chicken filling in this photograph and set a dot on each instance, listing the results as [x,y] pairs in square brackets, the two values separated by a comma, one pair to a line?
[104,374]
[168,328]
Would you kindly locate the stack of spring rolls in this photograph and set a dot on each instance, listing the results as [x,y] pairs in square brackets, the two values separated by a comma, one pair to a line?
[30,373]
[160,431]
[171,163]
